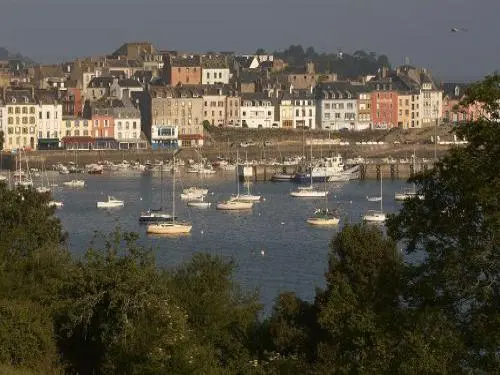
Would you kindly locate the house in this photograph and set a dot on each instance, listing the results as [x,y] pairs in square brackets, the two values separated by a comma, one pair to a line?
[98,88]
[121,88]
[22,119]
[164,137]
[50,115]
[3,119]
[384,103]
[221,105]
[257,110]
[306,77]
[127,121]
[214,70]
[183,70]
[297,109]
[135,50]
[338,106]
[71,101]
[180,107]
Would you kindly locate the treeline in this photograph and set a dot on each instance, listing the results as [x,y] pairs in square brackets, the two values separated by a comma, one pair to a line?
[346,65]
[114,312]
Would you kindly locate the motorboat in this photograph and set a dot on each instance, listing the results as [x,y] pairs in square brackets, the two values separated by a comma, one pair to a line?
[200,203]
[195,190]
[322,169]
[245,198]
[42,189]
[374,216]
[408,194]
[112,202]
[324,217]
[282,177]
[74,183]
[234,205]
[95,169]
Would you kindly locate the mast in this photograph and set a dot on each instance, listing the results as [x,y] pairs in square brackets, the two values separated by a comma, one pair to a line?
[173,196]
[237,177]
[161,187]
[381,197]
[311,170]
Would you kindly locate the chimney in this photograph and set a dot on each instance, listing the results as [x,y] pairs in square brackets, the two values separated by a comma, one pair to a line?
[310,67]
[384,72]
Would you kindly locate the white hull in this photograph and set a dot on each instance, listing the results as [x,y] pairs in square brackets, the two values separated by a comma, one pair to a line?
[169,228]
[245,198]
[321,221]
[74,184]
[42,190]
[199,204]
[377,217]
[56,204]
[191,196]
[304,193]
[234,205]
[109,204]
[195,190]
[406,196]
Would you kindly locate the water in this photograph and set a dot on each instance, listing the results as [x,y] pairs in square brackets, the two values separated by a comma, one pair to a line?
[273,246]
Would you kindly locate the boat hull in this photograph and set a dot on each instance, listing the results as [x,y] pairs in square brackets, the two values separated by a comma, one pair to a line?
[154,219]
[246,198]
[199,204]
[234,205]
[109,205]
[309,194]
[320,221]
[169,228]
[370,218]
[282,177]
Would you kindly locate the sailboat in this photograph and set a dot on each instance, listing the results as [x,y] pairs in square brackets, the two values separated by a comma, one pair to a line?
[408,193]
[156,215]
[170,227]
[44,189]
[309,191]
[248,197]
[22,180]
[232,204]
[374,216]
[324,216]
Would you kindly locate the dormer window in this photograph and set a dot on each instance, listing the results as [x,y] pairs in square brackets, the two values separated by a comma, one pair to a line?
[26,100]
[457,91]
[13,100]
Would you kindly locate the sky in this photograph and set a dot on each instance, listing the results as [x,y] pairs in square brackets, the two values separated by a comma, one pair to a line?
[56,30]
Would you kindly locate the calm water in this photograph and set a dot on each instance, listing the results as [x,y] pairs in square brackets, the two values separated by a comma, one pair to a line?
[294,253]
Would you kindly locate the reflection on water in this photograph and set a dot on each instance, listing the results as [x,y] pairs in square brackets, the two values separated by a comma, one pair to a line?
[274,247]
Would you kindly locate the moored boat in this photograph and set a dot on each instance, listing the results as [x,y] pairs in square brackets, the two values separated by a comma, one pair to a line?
[112,202]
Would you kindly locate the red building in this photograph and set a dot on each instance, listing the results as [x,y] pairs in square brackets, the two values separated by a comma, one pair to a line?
[384,109]
[71,101]
[183,70]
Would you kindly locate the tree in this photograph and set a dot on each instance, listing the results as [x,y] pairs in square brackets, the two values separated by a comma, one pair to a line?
[455,232]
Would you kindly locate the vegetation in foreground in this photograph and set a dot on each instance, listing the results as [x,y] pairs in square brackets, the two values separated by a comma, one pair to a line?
[115,312]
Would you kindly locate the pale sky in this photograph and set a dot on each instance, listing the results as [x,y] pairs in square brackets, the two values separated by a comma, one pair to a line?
[55,30]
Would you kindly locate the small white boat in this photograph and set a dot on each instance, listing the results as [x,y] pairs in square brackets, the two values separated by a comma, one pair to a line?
[56,204]
[309,193]
[374,217]
[374,199]
[42,189]
[74,183]
[197,190]
[169,228]
[282,177]
[191,196]
[407,195]
[112,202]
[245,198]
[234,205]
[24,183]
[323,220]
[199,204]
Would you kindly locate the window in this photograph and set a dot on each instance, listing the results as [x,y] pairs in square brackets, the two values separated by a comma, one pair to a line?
[297,113]
[96,123]
[119,126]
[10,120]
[85,123]
[134,125]
[32,120]
[48,134]
[77,133]
[269,113]
[85,132]
[68,133]
[48,115]
[208,75]
[25,130]
[25,111]
[119,135]
[18,110]
[40,115]
[11,110]
[243,113]
[25,120]
[106,123]
[126,125]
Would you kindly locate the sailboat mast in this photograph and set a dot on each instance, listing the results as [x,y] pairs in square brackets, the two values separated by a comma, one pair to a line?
[161,187]
[173,195]
[311,170]
[381,196]
[237,177]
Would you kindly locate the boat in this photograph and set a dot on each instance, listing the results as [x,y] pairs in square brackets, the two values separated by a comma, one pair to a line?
[170,227]
[309,191]
[374,216]
[193,193]
[199,203]
[324,217]
[409,193]
[95,169]
[74,183]
[374,199]
[322,169]
[22,179]
[282,177]
[156,215]
[234,204]
[248,197]
[112,202]
[42,189]
[56,204]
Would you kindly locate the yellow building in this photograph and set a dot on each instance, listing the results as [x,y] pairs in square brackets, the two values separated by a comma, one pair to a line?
[404,110]
[21,120]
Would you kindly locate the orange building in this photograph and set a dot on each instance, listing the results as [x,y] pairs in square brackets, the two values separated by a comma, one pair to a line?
[384,104]
[103,126]
[183,70]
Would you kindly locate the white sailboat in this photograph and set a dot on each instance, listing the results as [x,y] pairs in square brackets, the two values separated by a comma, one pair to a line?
[235,205]
[248,197]
[156,215]
[170,227]
[374,216]
[112,202]
[44,189]
[309,191]
[74,183]
[324,216]
[22,180]
[408,193]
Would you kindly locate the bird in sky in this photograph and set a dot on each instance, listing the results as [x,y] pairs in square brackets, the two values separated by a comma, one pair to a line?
[457,29]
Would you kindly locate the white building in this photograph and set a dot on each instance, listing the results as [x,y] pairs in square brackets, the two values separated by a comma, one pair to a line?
[257,110]
[337,107]
[49,119]
[298,109]
[164,136]
[121,88]
[211,76]
[127,127]
[3,119]
[431,104]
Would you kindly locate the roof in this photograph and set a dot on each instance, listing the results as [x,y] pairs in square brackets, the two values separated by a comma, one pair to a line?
[214,62]
[46,97]
[18,97]
[249,76]
[243,61]
[257,96]
[193,61]
[451,89]
[100,82]
[298,94]
[129,82]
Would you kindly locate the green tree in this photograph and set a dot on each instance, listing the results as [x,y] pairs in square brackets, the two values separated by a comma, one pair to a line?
[220,314]
[455,231]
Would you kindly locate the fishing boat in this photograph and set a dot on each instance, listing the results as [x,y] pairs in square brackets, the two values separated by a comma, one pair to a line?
[170,227]
[322,169]
[309,191]
[282,177]
[234,204]
[74,183]
[112,202]
[373,216]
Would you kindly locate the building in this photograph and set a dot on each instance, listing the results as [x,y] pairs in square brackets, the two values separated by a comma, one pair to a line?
[364,109]
[299,107]
[22,118]
[164,137]
[98,88]
[215,70]
[257,110]
[121,88]
[180,107]
[71,101]
[307,77]
[233,104]
[135,50]
[404,110]
[183,70]
[337,106]
[128,127]
[50,116]
[3,119]
[384,104]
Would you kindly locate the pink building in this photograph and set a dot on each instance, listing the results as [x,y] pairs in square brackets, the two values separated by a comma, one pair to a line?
[103,126]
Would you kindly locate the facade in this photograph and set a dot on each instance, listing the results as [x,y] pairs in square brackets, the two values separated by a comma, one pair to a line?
[3,120]
[121,88]
[384,103]
[164,137]
[257,110]
[404,110]
[337,107]
[74,127]
[212,76]
[183,70]
[302,105]
[214,107]
[71,101]
[22,119]
[49,121]
[415,111]
[128,127]
[103,126]
[308,77]
[233,104]
[364,110]
[180,107]
[431,104]
[98,88]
